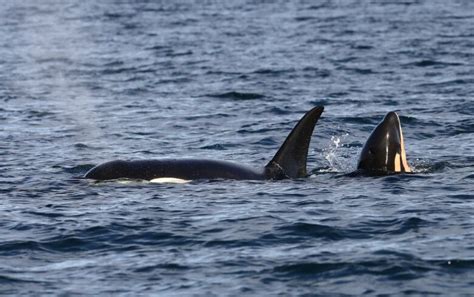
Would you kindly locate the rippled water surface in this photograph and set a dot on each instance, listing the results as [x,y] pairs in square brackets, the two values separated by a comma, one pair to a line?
[89,82]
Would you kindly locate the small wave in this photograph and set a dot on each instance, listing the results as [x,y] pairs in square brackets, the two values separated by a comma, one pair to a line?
[308,268]
[362,47]
[58,60]
[149,238]
[393,226]
[401,269]
[158,48]
[393,256]
[114,63]
[259,131]
[371,119]
[317,72]
[357,70]
[312,230]
[391,266]
[115,15]
[165,266]
[279,111]
[72,244]
[5,279]
[215,147]
[46,214]
[304,18]
[319,6]
[206,116]
[428,63]
[469,176]
[17,246]
[267,141]
[461,197]
[456,264]
[464,107]
[35,114]
[362,70]
[100,238]
[234,243]
[342,94]
[178,54]
[447,83]
[271,72]
[460,127]
[233,95]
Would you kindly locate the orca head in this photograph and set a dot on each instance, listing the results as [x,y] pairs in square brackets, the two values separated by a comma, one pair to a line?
[384,150]
[290,160]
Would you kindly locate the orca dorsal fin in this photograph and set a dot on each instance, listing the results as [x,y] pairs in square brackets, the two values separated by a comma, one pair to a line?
[290,160]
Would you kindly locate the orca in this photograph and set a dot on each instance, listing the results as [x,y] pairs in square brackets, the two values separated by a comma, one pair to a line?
[384,150]
[288,162]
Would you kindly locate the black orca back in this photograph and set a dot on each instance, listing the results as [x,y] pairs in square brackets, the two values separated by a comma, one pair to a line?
[187,169]
[289,162]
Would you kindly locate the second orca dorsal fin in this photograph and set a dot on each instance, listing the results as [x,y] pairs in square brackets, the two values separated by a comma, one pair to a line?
[290,160]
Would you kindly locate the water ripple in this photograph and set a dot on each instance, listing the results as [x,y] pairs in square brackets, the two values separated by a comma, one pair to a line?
[233,95]
[90,81]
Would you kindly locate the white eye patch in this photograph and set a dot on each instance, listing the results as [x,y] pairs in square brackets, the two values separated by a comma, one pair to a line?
[397,163]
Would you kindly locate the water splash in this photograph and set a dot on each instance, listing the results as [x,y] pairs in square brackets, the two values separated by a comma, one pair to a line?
[339,160]
[330,154]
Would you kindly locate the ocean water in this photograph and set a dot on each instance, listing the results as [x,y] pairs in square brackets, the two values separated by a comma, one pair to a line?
[84,82]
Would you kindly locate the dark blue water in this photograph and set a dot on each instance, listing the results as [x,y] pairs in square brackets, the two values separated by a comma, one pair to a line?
[85,82]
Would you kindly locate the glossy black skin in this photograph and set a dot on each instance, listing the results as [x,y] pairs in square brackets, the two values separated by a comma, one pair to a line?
[378,153]
[289,162]
[187,169]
